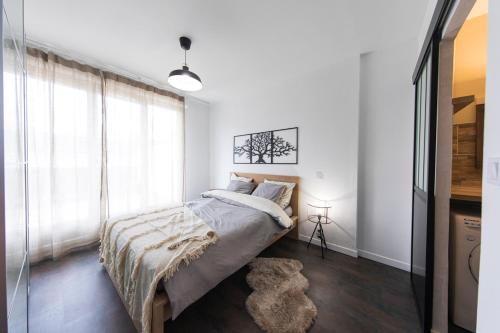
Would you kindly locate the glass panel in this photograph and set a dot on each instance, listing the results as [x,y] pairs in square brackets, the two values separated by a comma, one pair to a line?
[417,132]
[422,127]
[423,106]
[13,107]
[19,311]
[426,138]
[15,165]
[15,227]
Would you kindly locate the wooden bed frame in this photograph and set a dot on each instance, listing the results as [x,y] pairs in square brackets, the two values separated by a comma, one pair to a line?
[161,311]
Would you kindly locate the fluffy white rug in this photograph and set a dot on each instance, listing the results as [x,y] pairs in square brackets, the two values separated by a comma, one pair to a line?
[278,303]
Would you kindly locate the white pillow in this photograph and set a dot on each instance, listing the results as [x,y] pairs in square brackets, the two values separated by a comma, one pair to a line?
[241,179]
[286,196]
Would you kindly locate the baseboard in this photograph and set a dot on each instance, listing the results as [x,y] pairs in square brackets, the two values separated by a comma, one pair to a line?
[384,260]
[331,246]
[362,253]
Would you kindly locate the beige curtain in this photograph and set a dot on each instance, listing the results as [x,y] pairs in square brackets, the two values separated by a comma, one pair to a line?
[96,147]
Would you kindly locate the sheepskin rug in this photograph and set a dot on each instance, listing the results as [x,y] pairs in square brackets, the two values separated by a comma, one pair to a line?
[278,303]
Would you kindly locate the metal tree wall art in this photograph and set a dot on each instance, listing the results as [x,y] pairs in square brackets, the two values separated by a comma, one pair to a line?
[271,147]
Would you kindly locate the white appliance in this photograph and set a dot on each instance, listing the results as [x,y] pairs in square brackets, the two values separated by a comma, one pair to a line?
[464,269]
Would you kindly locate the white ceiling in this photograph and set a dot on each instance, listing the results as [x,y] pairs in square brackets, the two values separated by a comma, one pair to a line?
[237,45]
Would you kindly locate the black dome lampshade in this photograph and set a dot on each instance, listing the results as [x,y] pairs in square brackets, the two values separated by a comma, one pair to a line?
[183,79]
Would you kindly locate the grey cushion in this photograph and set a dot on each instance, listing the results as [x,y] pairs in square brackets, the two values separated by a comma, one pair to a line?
[269,191]
[241,187]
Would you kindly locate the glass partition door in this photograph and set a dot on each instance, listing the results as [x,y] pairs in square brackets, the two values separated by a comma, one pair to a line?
[15,166]
[423,187]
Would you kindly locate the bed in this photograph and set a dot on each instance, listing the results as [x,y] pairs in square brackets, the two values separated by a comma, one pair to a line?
[250,233]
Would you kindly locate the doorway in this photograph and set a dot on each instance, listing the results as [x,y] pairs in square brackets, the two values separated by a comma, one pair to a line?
[469,107]
[446,240]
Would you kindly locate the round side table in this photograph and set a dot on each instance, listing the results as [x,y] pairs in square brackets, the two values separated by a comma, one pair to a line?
[319,219]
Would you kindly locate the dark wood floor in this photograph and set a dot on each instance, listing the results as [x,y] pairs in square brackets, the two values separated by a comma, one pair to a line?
[75,295]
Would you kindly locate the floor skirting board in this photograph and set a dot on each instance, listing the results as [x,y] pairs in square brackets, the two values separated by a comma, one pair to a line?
[331,246]
[384,260]
[362,253]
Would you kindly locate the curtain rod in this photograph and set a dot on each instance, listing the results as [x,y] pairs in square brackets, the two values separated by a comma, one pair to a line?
[95,63]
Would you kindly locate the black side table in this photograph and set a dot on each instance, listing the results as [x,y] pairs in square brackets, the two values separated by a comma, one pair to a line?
[319,219]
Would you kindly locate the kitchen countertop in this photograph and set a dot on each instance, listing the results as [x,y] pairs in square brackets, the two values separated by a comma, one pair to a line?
[466,193]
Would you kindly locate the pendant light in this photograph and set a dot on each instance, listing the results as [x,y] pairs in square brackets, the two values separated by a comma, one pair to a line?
[183,79]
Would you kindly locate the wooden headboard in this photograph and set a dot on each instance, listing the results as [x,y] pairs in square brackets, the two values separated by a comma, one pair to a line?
[294,201]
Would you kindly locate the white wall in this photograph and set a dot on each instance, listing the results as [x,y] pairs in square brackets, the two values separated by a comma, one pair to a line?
[324,105]
[197,155]
[385,154]
[489,278]
[474,87]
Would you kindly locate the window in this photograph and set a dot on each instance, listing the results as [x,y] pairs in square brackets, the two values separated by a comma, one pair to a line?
[88,162]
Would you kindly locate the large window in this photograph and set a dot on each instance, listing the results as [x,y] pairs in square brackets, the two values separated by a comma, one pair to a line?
[97,148]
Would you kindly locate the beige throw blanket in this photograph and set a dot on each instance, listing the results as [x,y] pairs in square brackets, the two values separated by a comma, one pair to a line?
[141,249]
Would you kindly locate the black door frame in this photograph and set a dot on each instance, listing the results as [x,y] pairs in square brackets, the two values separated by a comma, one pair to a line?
[426,313]
[3,268]
[430,49]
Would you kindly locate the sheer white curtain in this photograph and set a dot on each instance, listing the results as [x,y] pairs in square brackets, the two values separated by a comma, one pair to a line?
[64,138]
[145,143]
[97,148]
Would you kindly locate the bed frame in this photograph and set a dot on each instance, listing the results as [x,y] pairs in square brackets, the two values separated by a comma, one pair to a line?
[161,311]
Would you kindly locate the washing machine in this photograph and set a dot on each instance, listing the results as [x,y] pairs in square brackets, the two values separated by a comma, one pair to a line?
[464,269]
